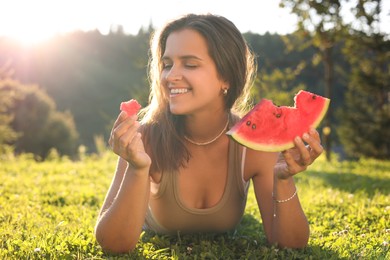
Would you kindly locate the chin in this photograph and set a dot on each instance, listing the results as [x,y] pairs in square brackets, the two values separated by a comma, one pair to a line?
[175,110]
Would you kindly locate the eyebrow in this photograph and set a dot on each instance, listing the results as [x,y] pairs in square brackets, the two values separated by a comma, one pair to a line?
[184,57]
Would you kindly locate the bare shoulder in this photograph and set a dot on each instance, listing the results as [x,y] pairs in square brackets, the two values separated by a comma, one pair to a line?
[258,163]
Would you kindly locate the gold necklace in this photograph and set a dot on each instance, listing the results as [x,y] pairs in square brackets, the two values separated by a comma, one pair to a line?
[212,140]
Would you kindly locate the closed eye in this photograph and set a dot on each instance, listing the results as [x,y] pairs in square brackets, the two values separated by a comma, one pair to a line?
[167,66]
[187,61]
[191,66]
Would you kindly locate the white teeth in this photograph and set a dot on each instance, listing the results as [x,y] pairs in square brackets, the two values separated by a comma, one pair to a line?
[179,90]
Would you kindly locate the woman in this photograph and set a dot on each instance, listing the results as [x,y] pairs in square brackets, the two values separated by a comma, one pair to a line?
[177,170]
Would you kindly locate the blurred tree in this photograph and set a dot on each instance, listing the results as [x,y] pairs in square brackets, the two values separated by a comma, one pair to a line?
[365,120]
[319,25]
[35,118]
[277,78]
[7,134]
[279,85]
[60,133]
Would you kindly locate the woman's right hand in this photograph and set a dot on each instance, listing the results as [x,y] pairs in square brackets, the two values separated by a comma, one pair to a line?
[125,141]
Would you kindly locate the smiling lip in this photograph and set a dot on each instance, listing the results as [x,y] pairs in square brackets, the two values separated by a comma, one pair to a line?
[178,91]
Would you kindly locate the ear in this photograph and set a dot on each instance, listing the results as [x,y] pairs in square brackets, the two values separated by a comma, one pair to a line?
[225,88]
[225,85]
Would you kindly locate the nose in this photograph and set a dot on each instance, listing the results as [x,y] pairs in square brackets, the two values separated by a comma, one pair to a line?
[173,75]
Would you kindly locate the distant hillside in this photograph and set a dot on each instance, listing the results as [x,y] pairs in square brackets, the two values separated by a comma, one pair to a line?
[89,74]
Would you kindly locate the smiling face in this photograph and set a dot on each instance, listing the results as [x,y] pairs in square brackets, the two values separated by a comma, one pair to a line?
[189,75]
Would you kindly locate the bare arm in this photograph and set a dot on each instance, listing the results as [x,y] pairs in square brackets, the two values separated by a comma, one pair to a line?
[123,212]
[284,221]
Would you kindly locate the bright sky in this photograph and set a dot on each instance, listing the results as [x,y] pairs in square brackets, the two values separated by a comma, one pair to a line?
[35,20]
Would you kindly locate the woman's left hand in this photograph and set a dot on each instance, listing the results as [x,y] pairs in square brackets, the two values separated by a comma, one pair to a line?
[298,158]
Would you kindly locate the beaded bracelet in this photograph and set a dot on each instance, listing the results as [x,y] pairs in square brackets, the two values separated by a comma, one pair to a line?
[285,200]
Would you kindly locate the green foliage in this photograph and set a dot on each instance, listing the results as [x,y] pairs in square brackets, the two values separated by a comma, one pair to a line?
[365,114]
[7,134]
[319,26]
[365,119]
[100,145]
[39,125]
[60,133]
[278,85]
[87,73]
[48,211]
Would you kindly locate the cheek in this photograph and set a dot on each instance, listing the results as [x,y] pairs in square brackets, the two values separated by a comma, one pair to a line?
[209,81]
[163,78]
[163,84]
[214,87]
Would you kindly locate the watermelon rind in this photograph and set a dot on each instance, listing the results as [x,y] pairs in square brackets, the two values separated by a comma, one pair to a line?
[260,147]
[322,114]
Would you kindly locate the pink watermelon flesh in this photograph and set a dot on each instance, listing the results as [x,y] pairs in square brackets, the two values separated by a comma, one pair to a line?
[272,128]
[131,107]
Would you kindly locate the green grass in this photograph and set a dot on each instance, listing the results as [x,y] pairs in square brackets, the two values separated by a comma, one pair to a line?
[48,211]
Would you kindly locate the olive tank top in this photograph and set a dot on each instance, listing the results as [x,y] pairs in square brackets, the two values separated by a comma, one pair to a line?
[224,216]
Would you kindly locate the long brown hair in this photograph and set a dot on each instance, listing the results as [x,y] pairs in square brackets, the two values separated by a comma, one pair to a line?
[162,131]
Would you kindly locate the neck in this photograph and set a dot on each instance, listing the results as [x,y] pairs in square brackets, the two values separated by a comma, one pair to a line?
[203,131]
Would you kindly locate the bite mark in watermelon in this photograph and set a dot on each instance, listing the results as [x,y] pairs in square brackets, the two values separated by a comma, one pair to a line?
[131,107]
[272,128]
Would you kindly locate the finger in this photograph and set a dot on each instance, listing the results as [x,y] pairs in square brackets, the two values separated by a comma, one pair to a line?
[305,158]
[128,136]
[119,120]
[121,117]
[122,124]
[314,142]
[120,134]
[292,165]
[127,121]
[128,133]
[135,144]
[314,133]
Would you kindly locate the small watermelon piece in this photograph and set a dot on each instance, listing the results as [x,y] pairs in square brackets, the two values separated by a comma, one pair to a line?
[131,107]
[272,128]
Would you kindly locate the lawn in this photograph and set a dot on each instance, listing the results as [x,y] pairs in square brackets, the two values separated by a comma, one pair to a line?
[48,211]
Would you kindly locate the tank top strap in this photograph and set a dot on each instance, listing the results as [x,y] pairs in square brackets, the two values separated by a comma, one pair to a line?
[235,164]
[166,179]
[237,160]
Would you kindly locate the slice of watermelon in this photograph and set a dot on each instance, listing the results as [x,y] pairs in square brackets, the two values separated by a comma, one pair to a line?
[131,107]
[272,128]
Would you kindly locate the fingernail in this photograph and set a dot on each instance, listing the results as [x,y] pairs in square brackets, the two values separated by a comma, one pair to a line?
[312,131]
[297,139]
[305,136]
